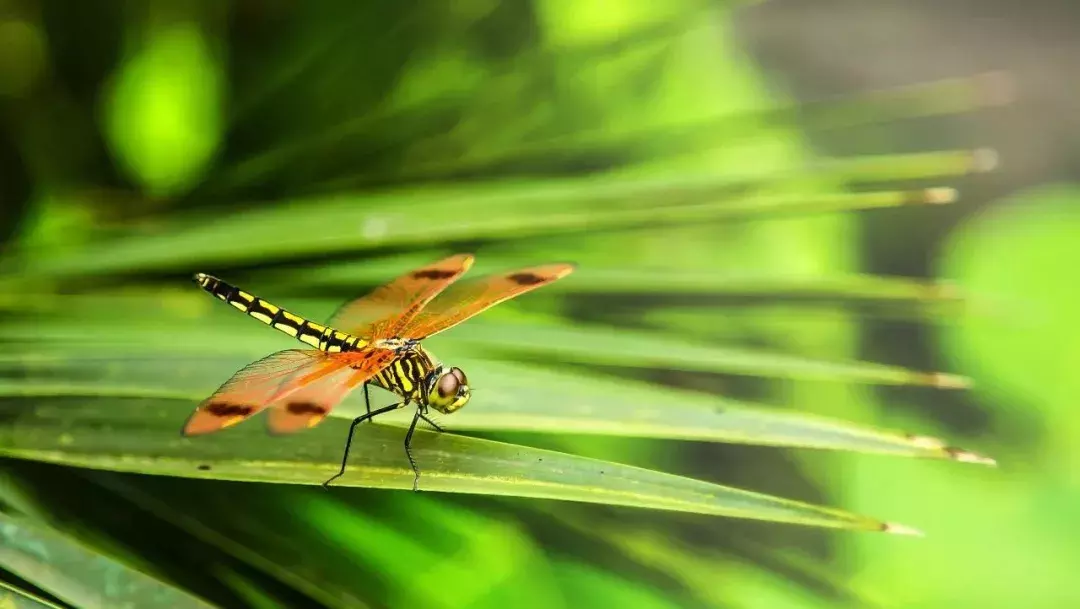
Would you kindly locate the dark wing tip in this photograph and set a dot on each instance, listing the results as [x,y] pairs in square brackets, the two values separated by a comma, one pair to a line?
[540,275]
[565,268]
[558,270]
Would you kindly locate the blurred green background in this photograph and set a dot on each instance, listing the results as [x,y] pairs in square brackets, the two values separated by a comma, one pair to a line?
[802,230]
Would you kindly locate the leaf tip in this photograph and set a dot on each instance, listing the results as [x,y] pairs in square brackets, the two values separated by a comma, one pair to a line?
[966,456]
[901,529]
[952,452]
[927,442]
[939,196]
[943,380]
[984,160]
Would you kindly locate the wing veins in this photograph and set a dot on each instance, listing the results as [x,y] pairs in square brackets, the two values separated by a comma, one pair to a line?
[383,312]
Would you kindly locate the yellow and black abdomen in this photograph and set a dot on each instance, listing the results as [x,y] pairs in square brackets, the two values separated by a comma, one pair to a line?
[310,333]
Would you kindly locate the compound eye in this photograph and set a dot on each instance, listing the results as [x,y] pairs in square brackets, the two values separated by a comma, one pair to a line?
[460,376]
[448,386]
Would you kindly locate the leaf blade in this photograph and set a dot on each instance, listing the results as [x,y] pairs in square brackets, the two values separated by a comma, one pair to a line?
[515,397]
[96,434]
[78,575]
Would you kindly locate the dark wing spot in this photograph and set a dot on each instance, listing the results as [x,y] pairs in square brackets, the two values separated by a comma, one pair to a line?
[221,409]
[526,278]
[433,274]
[300,408]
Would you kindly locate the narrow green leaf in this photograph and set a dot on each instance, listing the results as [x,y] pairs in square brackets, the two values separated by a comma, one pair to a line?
[695,568]
[680,139]
[691,138]
[924,99]
[514,397]
[14,598]
[601,280]
[351,540]
[80,576]
[518,398]
[365,222]
[593,587]
[639,348]
[914,166]
[185,511]
[141,436]
[142,326]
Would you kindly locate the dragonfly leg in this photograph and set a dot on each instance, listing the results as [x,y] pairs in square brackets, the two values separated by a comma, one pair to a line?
[408,451]
[430,422]
[367,400]
[352,428]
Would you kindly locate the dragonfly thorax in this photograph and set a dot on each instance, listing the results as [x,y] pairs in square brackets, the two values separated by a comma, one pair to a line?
[418,377]
[447,389]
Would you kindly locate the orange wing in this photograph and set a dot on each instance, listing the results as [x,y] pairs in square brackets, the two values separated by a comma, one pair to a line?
[385,311]
[307,406]
[275,378]
[468,298]
[253,388]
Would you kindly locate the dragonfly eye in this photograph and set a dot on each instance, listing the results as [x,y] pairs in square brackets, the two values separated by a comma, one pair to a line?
[457,372]
[448,385]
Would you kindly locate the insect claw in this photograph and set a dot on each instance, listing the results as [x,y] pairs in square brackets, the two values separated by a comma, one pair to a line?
[326,483]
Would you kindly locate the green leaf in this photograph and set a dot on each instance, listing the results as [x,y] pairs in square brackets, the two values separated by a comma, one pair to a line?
[508,397]
[78,575]
[365,222]
[139,324]
[695,567]
[100,434]
[12,597]
[204,516]
[593,587]
[514,397]
[594,279]
[931,98]
[464,554]
[644,349]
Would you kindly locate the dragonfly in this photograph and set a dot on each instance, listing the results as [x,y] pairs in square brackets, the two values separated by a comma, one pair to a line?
[372,340]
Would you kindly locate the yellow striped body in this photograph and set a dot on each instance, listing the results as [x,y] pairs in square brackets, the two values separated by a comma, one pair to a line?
[308,332]
[405,376]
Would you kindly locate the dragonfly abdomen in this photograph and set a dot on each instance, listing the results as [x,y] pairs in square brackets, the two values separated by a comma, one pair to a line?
[308,332]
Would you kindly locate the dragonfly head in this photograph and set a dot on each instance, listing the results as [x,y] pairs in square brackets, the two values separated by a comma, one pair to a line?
[448,390]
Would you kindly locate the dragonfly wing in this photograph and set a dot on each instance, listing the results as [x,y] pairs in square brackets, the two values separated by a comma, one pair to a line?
[383,312]
[307,406]
[468,298]
[255,387]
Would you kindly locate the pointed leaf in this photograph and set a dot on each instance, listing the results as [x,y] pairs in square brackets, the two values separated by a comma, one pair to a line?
[142,436]
[78,575]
